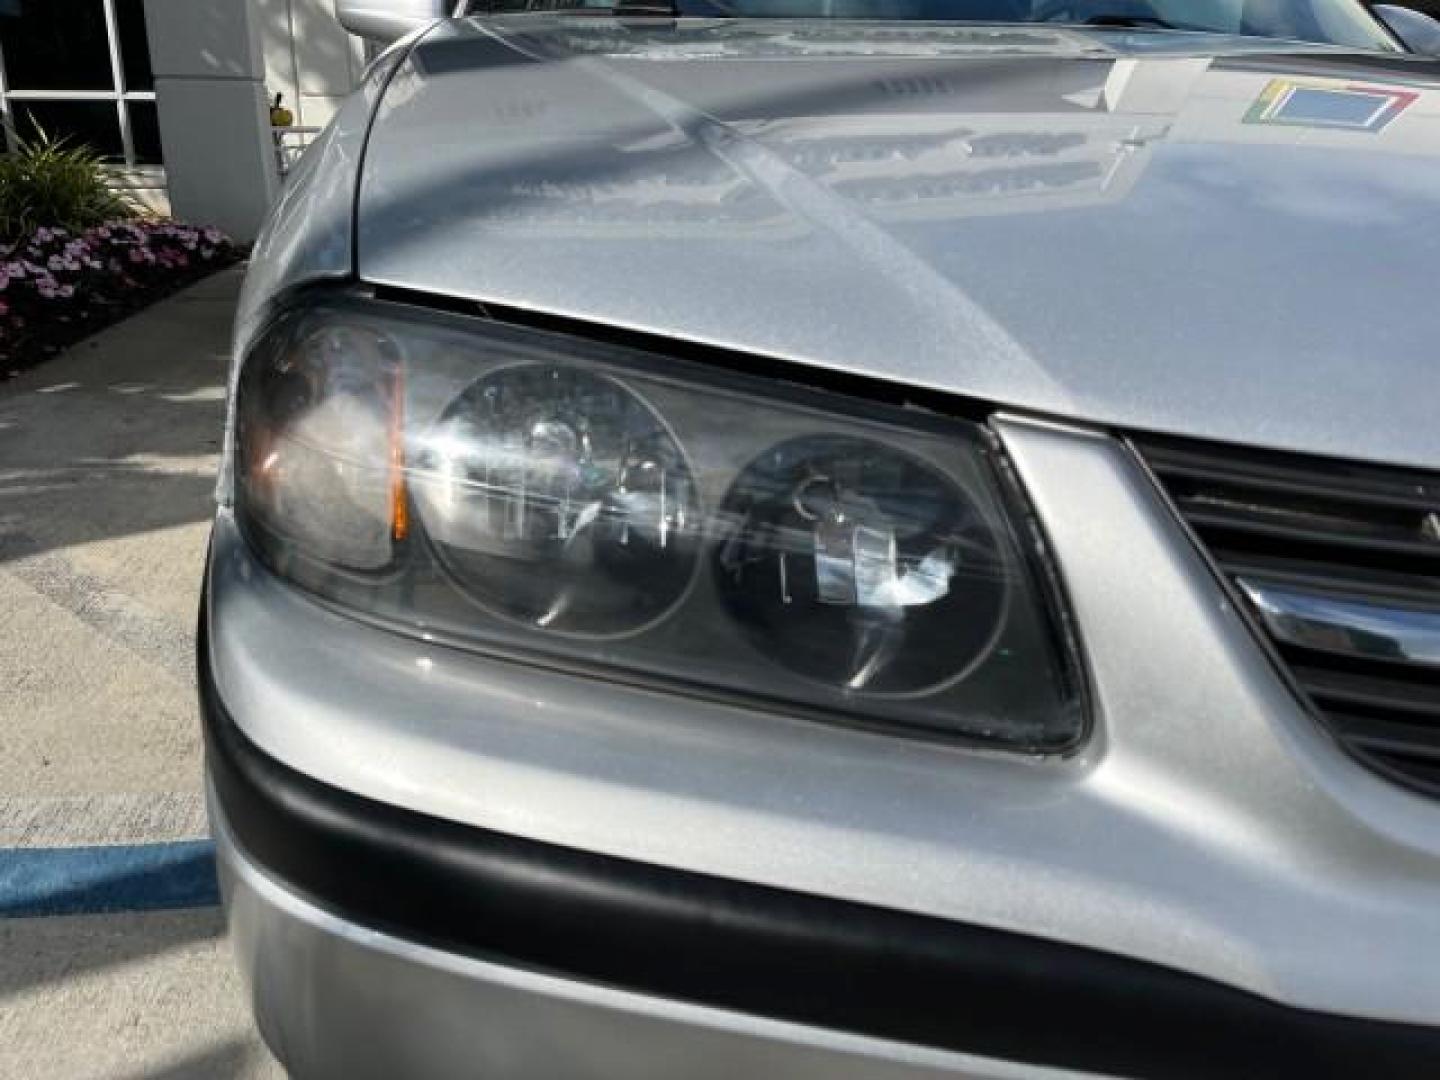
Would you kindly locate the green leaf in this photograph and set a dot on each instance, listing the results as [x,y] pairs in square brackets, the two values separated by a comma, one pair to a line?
[54,183]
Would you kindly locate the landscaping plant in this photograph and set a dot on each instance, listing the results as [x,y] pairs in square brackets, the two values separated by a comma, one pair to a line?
[52,182]
[56,284]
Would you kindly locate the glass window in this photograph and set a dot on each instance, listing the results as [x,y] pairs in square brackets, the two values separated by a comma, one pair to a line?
[57,45]
[61,74]
[134,46]
[145,132]
[1333,22]
[93,123]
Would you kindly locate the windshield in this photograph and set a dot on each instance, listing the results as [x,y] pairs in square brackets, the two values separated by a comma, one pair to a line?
[1329,22]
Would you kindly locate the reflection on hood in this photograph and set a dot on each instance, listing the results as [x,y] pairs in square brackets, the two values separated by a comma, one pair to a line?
[1202,239]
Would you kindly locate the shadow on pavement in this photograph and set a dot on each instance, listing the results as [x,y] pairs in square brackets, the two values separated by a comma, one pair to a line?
[37,952]
[226,1059]
[120,435]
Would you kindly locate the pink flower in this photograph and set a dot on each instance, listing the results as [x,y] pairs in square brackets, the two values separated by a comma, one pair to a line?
[66,291]
[47,289]
[42,235]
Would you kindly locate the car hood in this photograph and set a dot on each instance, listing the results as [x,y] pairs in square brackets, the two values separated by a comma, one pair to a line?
[1164,232]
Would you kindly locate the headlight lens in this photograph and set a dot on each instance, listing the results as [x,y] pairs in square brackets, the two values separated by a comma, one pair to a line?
[559,501]
[316,455]
[556,496]
[860,566]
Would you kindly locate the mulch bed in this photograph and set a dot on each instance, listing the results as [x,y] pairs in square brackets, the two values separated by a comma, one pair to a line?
[57,287]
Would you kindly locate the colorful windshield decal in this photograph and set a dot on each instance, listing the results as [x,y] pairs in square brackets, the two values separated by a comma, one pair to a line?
[1329,103]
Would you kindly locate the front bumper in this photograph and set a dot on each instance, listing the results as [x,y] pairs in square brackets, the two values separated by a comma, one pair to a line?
[337,998]
[379,942]
[407,946]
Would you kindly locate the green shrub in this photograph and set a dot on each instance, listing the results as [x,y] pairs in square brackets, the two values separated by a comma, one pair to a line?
[49,182]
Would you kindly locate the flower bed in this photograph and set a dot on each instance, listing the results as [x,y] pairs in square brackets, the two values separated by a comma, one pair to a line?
[57,287]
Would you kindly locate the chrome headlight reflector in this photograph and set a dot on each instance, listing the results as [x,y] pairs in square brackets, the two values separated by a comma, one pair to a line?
[561,501]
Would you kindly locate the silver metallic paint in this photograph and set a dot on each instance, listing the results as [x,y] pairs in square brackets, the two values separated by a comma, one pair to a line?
[387,20]
[326,987]
[1209,825]
[1083,225]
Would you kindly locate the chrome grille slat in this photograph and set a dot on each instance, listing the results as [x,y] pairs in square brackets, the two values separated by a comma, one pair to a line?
[1346,580]
[1359,627]
[1339,563]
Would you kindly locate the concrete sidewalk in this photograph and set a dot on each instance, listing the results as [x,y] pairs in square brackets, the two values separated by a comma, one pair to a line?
[107,463]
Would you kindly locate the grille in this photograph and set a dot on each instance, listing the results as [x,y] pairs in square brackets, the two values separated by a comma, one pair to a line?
[1339,563]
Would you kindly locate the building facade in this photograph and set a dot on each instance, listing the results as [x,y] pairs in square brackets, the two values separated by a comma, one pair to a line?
[175,93]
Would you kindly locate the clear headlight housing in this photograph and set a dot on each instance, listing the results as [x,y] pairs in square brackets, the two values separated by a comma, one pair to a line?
[557,501]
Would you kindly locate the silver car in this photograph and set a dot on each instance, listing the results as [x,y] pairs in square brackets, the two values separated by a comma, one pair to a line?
[864,538]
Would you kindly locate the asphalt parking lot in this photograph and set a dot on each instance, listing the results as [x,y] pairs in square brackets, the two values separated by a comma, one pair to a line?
[113,961]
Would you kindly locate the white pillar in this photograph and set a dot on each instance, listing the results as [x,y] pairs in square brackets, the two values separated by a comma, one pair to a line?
[214,120]
[308,57]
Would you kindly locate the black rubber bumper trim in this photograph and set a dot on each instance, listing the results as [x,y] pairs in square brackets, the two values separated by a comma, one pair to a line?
[769,951]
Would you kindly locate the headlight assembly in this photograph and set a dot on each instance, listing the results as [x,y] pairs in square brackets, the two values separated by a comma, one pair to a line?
[563,502]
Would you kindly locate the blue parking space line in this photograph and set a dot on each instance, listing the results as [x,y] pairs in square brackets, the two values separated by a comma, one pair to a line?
[107,880]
